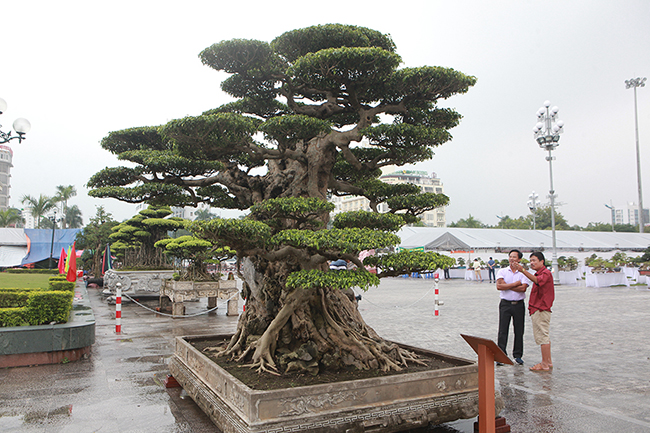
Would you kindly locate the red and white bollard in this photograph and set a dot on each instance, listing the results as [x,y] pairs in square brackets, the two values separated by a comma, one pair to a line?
[435,300]
[118,309]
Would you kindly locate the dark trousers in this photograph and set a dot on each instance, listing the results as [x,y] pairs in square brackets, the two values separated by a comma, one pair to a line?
[516,312]
[491,276]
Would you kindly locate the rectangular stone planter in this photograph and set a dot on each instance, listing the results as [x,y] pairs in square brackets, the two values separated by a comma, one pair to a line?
[137,283]
[180,291]
[383,404]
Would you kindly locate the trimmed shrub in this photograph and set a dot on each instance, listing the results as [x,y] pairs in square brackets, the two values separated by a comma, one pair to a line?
[32,271]
[60,283]
[12,317]
[34,306]
[14,298]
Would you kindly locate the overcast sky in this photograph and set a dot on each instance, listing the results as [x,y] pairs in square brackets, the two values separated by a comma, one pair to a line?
[79,70]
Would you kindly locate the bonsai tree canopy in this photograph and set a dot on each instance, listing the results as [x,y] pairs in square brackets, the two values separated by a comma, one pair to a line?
[318,112]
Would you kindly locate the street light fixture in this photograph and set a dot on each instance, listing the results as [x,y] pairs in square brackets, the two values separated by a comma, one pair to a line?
[533,203]
[21,126]
[637,82]
[547,134]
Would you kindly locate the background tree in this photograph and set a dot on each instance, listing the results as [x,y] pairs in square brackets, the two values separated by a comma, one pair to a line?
[11,218]
[93,240]
[543,219]
[203,215]
[135,239]
[304,103]
[73,217]
[38,207]
[63,194]
[607,227]
[469,223]
[521,223]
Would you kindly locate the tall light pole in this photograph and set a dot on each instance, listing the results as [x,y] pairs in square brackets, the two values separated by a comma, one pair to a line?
[533,203]
[53,218]
[547,134]
[637,82]
[21,126]
[613,209]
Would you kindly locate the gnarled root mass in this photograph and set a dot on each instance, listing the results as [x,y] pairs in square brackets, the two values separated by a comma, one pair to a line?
[311,331]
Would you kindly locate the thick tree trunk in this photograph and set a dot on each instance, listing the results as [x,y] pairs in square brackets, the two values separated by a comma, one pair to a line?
[306,331]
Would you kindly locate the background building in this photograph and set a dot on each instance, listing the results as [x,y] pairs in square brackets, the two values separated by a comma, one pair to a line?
[6,157]
[426,182]
[630,214]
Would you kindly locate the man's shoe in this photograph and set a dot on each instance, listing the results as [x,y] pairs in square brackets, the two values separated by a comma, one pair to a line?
[519,361]
[499,364]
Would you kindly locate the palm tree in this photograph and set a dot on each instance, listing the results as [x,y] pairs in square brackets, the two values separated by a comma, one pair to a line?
[73,217]
[39,206]
[63,193]
[10,217]
[203,215]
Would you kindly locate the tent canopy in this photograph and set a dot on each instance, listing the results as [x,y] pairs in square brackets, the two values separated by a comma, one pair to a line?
[454,239]
[40,241]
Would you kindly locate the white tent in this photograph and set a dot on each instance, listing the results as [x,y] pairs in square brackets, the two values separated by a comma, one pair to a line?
[13,247]
[501,240]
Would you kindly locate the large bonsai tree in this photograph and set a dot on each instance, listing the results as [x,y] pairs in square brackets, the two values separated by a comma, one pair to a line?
[318,112]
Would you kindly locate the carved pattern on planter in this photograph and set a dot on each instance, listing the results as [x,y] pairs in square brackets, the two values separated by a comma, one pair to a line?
[302,405]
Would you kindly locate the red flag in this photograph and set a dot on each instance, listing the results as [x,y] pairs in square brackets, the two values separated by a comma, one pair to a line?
[72,267]
[62,261]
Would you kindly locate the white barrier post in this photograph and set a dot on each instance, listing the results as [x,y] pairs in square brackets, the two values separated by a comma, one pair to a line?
[118,309]
[436,302]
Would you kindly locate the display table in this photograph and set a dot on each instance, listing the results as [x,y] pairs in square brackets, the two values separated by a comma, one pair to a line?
[606,279]
[569,278]
[632,273]
[469,274]
[457,273]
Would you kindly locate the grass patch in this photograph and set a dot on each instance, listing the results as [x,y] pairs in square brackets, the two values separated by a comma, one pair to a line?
[23,281]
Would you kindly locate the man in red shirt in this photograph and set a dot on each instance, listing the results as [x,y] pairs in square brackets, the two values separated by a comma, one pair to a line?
[540,302]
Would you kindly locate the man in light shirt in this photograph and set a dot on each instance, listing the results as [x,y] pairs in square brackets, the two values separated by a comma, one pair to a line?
[512,286]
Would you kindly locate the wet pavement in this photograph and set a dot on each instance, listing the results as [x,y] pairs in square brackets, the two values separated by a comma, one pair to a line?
[600,381]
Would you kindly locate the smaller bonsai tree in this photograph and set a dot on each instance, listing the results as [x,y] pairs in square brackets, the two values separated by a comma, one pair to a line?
[198,253]
[567,263]
[135,239]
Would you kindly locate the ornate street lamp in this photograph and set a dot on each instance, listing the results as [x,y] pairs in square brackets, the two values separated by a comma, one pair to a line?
[533,203]
[547,134]
[21,126]
[634,83]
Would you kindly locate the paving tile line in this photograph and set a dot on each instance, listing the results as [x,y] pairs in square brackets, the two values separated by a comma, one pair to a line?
[590,408]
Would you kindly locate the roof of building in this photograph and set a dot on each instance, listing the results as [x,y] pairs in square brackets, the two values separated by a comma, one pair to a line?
[453,239]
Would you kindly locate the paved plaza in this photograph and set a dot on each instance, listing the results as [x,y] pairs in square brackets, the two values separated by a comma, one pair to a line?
[600,381]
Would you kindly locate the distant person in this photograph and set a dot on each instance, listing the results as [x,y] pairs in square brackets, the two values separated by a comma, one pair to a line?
[446,272]
[512,285]
[491,263]
[477,270]
[540,302]
[338,265]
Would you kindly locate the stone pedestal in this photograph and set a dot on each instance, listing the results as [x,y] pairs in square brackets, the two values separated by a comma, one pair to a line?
[180,291]
[383,404]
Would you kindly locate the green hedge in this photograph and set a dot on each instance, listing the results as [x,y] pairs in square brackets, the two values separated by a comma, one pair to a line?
[13,298]
[32,271]
[38,307]
[59,282]
[12,317]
